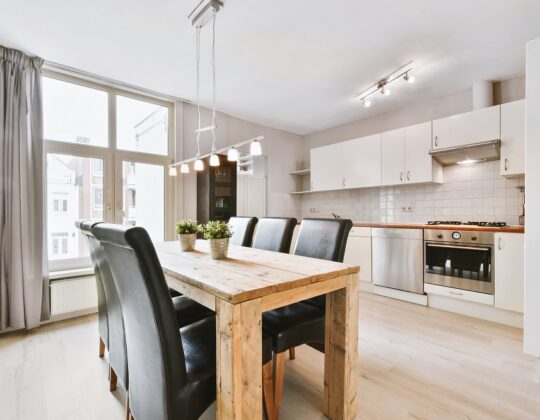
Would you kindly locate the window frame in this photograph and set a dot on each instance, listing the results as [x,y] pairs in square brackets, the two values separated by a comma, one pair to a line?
[112,162]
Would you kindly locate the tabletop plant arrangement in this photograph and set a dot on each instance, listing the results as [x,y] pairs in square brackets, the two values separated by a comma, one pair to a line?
[218,234]
[187,230]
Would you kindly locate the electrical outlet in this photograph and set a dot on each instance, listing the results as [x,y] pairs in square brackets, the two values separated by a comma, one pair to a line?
[314,210]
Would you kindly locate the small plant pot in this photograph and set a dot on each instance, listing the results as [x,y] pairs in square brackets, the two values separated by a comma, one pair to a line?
[219,248]
[187,241]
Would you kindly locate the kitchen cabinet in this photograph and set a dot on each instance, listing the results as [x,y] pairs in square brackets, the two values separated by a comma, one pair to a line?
[393,157]
[471,127]
[419,165]
[358,251]
[509,271]
[513,138]
[326,168]
[406,158]
[361,162]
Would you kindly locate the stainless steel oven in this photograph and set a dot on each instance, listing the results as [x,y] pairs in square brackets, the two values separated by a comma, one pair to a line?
[460,259]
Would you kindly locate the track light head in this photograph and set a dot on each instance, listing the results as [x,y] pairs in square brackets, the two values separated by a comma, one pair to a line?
[409,78]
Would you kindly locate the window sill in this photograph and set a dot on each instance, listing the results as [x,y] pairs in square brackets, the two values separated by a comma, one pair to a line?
[69,274]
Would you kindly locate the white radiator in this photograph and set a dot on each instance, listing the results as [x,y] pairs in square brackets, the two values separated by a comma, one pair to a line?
[73,295]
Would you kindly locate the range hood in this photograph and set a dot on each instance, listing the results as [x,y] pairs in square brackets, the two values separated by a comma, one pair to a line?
[476,152]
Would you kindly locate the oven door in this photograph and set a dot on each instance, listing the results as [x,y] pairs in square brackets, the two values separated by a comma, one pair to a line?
[461,267]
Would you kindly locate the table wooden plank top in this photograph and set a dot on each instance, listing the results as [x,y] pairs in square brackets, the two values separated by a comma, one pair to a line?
[247,273]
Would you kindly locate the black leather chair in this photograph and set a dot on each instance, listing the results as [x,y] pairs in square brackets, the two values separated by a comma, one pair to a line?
[304,322]
[187,311]
[172,371]
[242,229]
[274,234]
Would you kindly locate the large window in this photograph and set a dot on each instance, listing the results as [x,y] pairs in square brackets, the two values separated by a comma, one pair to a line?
[106,157]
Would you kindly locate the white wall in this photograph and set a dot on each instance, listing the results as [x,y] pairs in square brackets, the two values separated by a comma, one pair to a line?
[532,188]
[284,153]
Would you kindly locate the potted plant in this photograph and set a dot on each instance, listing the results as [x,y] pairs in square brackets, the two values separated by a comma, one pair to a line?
[187,232]
[218,234]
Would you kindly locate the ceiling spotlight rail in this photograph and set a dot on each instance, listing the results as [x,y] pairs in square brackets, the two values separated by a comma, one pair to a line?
[382,86]
[205,12]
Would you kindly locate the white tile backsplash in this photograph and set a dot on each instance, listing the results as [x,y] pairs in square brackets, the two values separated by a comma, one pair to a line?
[472,192]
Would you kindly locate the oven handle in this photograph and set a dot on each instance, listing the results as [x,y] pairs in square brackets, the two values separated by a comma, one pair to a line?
[474,248]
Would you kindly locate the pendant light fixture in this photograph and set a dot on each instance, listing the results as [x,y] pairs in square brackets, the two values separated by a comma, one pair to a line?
[232,155]
[204,13]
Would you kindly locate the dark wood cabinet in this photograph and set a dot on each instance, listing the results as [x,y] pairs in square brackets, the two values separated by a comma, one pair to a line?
[216,191]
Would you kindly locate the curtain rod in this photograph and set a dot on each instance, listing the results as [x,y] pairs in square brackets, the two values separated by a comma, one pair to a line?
[61,68]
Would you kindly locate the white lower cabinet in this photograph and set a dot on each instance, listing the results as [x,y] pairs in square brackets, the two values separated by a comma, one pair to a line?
[460,294]
[358,251]
[509,263]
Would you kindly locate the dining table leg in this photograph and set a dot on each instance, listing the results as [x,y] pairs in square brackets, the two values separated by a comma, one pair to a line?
[341,351]
[239,360]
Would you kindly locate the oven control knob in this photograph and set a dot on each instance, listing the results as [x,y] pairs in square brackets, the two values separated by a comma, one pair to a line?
[439,236]
[474,238]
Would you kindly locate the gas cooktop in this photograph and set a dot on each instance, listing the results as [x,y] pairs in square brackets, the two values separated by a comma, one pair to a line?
[459,223]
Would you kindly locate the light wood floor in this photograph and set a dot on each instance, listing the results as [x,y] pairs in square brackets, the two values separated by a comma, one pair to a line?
[415,362]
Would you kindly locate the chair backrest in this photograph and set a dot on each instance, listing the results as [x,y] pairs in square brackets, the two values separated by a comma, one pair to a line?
[242,228]
[325,239]
[103,317]
[274,233]
[157,370]
[117,336]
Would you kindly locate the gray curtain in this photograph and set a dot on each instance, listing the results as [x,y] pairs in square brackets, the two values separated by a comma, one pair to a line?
[24,284]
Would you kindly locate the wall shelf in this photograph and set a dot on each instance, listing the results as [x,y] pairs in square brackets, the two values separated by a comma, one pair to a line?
[303,192]
[301,172]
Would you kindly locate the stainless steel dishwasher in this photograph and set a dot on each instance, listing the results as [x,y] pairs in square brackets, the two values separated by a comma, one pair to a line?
[398,259]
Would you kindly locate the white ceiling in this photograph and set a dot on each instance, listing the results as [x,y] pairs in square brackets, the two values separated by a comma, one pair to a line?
[294,65]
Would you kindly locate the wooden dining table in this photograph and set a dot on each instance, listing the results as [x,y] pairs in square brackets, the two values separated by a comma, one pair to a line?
[246,284]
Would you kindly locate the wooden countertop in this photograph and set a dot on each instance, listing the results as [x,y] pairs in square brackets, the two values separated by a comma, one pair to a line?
[507,229]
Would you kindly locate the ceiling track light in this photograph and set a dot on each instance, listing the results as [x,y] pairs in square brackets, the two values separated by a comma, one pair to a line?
[382,86]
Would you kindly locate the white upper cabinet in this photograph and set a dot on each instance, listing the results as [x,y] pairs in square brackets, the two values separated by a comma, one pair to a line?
[361,162]
[406,158]
[326,168]
[509,265]
[419,165]
[393,157]
[513,138]
[472,127]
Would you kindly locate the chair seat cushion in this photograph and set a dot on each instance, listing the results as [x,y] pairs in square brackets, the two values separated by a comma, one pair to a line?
[188,311]
[199,342]
[293,325]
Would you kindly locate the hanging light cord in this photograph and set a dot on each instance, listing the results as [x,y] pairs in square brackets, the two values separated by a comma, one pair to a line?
[198,59]
[214,80]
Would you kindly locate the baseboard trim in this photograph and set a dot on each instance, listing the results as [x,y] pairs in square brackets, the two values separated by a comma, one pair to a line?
[401,295]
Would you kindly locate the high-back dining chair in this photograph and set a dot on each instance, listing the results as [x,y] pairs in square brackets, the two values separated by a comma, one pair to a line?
[172,372]
[304,322]
[242,229]
[187,310]
[274,233]
[110,309]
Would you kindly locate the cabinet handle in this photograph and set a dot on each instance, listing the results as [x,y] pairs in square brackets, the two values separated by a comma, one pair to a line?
[500,244]
[506,164]
[408,175]
[436,140]
[401,176]
[343,182]
[455,293]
